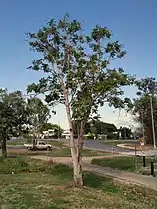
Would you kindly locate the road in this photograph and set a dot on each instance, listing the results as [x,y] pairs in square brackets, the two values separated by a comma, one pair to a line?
[99,145]
[95,144]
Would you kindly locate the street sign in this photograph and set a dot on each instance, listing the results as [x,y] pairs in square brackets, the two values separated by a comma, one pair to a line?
[142,141]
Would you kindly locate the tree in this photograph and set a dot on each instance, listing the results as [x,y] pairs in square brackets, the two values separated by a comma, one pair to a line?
[96,127]
[141,108]
[124,133]
[38,114]
[103,127]
[13,116]
[79,74]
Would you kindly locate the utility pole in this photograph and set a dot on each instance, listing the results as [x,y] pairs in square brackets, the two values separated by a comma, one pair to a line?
[152,116]
[142,125]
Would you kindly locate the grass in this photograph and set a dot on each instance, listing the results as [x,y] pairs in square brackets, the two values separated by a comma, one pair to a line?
[65,152]
[62,152]
[40,185]
[22,141]
[122,163]
[56,143]
[16,142]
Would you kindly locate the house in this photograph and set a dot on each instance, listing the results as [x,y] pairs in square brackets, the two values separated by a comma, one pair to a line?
[48,134]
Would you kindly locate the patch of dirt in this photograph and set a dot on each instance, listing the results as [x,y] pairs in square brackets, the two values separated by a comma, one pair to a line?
[68,160]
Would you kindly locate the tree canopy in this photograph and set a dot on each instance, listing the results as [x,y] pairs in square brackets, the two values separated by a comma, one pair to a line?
[13,116]
[79,62]
[46,126]
[38,113]
[141,105]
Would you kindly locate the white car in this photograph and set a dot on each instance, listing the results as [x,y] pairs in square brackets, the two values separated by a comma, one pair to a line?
[40,145]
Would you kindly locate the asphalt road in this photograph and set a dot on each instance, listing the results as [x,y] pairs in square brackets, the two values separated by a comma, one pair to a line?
[95,144]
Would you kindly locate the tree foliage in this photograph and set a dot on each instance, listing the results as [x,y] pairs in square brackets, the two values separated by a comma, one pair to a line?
[124,133]
[84,63]
[13,116]
[57,129]
[97,127]
[141,105]
[38,114]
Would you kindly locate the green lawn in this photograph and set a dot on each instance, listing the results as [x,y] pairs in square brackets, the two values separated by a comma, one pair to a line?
[37,185]
[122,163]
[65,152]
[61,152]
[22,141]
[16,142]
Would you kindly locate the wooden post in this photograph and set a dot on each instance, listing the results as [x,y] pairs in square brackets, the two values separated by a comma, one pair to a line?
[135,158]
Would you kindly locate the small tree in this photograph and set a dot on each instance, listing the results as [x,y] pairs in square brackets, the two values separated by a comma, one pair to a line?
[141,108]
[13,116]
[78,74]
[38,114]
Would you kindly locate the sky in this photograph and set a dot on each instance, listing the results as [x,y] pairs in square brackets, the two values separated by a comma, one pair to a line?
[133,23]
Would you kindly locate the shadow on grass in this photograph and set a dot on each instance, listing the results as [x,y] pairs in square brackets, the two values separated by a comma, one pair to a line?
[102,183]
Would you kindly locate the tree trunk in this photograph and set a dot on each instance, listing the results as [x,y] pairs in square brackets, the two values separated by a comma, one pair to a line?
[4,147]
[80,141]
[77,159]
[77,166]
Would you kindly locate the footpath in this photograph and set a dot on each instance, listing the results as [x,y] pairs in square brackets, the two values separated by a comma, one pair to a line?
[117,175]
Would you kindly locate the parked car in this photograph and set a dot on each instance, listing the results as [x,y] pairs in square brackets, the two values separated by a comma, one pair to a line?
[40,145]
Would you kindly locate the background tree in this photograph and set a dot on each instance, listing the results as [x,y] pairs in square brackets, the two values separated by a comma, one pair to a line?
[103,127]
[96,127]
[141,106]
[38,114]
[78,74]
[124,133]
[13,116]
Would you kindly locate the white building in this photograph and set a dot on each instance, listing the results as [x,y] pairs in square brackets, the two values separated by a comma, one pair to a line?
[66,134]
[48,134]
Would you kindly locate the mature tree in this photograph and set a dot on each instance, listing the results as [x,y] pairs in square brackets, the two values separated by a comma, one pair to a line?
[78,74]
[96,127]
[147,88]
[13,116]
[57,129]
[38,114]
[103,127]
[124,133]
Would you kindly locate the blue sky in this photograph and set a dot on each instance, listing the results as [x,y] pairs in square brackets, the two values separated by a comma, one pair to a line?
[133,23]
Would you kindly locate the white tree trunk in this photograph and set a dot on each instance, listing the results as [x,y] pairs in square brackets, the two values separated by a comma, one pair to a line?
[76,157]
